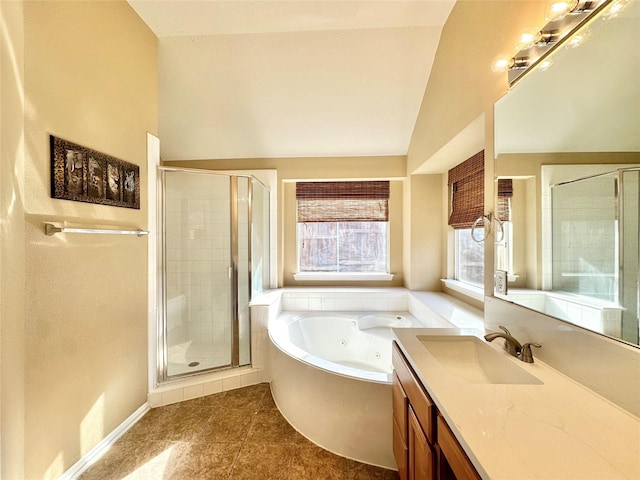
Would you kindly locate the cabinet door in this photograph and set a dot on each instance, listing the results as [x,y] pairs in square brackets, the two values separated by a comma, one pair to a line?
[453,462]
[400,452]
[400,405]
[421,457]
[422,405]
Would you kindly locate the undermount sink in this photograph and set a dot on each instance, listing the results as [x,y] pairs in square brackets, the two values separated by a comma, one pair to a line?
[474,361]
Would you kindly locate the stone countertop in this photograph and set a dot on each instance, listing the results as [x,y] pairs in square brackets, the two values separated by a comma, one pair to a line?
[558,429]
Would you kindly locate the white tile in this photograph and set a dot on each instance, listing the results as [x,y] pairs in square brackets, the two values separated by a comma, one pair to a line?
[574,313]
[592,318]
[155,400]
[209,388]
[315,301]
[301,302]
[173,396]
[288,303]
[194,391]
[248,379]
[231,383]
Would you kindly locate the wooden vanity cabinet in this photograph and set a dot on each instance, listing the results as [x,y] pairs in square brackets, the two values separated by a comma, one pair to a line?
[453,463]
[423,444]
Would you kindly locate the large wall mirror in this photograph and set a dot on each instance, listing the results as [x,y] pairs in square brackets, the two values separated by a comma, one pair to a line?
[567,144]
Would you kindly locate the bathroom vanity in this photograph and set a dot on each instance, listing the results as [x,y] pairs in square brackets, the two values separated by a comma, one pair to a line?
[464,408]
[423,445]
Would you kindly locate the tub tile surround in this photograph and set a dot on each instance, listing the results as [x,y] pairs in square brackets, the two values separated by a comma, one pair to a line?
[431,308]
[557,429]
[595,315]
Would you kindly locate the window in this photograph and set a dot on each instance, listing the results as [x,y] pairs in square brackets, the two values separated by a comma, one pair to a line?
[504,250]
[343,226]
[466,197]
[469,258]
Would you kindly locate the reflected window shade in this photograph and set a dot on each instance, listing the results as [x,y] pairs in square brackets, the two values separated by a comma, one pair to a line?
[343,201]
[466,189]
[505,192]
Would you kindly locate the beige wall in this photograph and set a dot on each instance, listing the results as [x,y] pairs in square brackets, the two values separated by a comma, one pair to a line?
[12,259]
[423,232]
[89,77]
[462,87]
[291,169]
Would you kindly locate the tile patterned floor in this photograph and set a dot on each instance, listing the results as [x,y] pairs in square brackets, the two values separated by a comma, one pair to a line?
[234,435]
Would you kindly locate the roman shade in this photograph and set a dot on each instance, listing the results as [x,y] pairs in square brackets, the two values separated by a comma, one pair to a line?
[466,192]
[505,192]
[366,201]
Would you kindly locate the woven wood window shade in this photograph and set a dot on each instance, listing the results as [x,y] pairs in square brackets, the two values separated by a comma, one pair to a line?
[343,201]
[466,189]
[505,192]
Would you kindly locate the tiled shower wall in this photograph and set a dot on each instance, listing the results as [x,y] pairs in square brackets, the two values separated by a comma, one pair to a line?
[197,218]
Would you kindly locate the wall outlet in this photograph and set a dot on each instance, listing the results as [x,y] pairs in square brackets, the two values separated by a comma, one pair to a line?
[500,282]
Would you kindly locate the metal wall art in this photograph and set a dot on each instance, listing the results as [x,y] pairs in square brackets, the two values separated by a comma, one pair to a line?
[84,175]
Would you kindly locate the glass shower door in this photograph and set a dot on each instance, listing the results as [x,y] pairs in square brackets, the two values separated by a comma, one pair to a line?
[630,288]
[198,272]
[242,185]
[585,237]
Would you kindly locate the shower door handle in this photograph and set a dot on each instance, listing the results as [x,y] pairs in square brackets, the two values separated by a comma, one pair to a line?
[230,273]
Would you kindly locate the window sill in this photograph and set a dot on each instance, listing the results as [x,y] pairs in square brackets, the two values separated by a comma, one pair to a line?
[343,277]
[476,293]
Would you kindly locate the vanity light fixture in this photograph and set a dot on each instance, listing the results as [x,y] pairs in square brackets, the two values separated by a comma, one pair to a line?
[530,39]
[502,64]
[564,18]
[557,10]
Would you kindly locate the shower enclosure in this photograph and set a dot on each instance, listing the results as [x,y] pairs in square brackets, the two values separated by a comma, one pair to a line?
[214,257]
[595,225]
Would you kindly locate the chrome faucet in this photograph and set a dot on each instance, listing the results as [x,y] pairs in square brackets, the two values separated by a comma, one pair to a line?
[511,345]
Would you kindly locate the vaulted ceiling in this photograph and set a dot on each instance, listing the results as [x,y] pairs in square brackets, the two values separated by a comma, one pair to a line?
[310,78]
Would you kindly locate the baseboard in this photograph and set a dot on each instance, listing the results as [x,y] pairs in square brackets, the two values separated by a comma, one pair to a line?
[101,448]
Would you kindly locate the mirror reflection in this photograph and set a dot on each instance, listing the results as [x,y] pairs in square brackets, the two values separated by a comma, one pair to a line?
[567,144]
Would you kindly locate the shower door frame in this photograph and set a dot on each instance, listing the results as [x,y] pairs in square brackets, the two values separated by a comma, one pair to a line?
[617,175]
[619,219]
[162,375]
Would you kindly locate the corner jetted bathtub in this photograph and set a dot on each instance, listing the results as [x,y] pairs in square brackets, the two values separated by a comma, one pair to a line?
[331,376]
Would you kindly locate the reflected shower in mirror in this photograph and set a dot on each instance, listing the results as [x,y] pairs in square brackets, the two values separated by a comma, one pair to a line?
[567,140]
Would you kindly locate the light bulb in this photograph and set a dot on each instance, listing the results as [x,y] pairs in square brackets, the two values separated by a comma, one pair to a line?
[527,38]
[501,63]
[557,10]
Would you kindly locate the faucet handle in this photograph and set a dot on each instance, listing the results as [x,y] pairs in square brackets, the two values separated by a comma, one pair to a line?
[525,354]
[504,329]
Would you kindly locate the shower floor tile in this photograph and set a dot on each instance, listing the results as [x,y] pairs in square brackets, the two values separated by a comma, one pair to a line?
[233,435]
[190,357]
